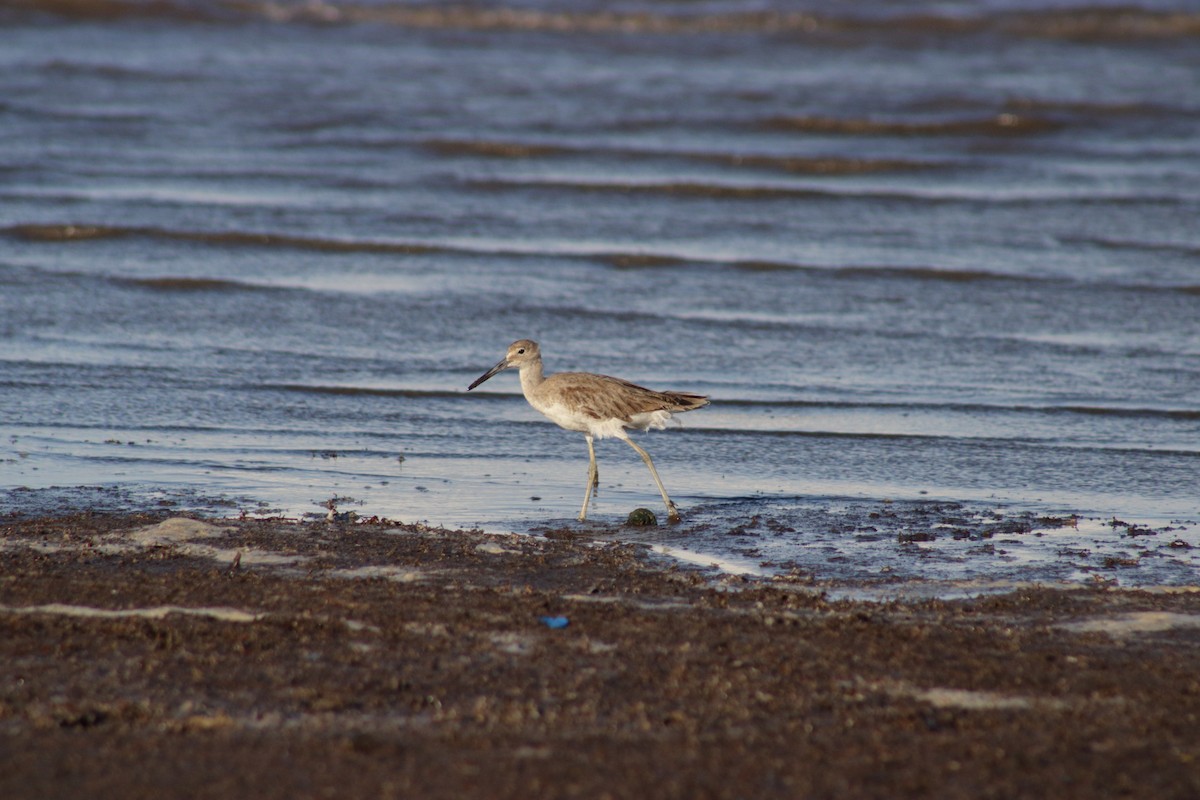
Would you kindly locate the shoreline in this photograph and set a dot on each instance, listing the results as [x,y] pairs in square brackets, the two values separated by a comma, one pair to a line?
[149,655]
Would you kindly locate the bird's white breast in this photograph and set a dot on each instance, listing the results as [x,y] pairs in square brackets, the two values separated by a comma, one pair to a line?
[574,420]
[563,416]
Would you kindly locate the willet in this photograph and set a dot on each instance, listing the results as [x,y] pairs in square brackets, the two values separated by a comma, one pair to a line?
[597,406]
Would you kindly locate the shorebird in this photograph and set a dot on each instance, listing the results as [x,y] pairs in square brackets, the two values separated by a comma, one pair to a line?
[598,406]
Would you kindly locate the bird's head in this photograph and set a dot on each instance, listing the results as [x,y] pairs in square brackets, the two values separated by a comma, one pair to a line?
[520,353]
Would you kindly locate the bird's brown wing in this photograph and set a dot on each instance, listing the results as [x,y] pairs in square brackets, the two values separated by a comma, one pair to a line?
[606,397]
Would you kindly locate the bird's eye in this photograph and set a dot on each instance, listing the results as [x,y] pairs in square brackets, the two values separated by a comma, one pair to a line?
[521,352]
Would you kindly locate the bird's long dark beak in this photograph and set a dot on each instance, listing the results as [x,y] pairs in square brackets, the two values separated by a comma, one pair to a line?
[500,367]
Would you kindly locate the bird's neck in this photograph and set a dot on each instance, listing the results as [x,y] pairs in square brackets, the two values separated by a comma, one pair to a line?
[531,376]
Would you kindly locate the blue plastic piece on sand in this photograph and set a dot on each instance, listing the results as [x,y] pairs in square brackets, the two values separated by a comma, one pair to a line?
[554,623]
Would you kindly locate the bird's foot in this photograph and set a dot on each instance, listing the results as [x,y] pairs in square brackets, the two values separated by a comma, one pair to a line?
[673,513]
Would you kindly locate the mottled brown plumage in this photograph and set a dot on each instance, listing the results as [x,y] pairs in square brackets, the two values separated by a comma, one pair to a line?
[598,406]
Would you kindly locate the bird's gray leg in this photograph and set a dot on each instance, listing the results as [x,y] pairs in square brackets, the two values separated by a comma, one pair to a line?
[672,511]
[593,481]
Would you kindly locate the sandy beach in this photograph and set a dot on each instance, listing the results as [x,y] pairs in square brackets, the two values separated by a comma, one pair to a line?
[147,656]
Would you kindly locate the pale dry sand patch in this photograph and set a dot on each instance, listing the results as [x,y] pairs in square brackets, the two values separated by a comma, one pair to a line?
[153,612]
[182,535]
[1134,623]
[967,699]
[398,574]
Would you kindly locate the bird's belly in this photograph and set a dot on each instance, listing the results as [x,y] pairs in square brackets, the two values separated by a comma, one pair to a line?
[575,420]
[565,417]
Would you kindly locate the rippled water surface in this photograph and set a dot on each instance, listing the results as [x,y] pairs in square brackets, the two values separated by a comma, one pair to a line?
[937,265]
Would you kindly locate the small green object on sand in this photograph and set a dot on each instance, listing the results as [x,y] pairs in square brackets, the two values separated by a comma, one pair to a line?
[641,517]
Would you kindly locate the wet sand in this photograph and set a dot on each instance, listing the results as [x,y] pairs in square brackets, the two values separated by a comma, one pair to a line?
[151,657]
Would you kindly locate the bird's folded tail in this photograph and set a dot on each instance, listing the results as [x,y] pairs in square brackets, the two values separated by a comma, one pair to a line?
[684,401]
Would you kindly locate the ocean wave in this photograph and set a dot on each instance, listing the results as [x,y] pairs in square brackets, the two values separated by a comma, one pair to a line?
[62,67]
[934,274]
[185,284]
[71,233]
[634,261]
[354,391]
[617,259]
[981,439]
[1084,23]
[1125,412]
[1127,244]
[815,165]
[79,233]
[779,190]
[112,10]
[947,274]
[496,149]
[820,165]
[1002,124]
[680,188]
[1085,108]
[65,233]
[1103,23]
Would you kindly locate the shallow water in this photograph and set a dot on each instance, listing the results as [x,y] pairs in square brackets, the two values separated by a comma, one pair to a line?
[252,254]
